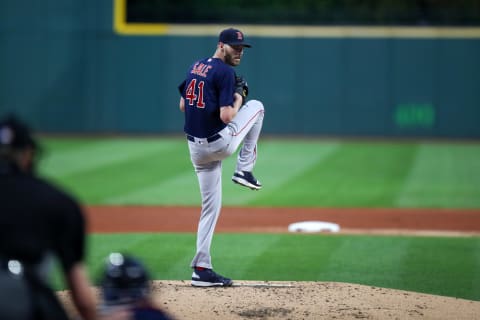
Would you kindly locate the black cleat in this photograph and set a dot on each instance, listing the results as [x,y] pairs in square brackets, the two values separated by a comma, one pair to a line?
[208,278]
[246,179]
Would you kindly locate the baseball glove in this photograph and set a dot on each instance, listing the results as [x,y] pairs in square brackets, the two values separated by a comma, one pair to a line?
[241,87]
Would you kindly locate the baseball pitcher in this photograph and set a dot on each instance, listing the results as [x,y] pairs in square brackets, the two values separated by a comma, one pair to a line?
[217,120]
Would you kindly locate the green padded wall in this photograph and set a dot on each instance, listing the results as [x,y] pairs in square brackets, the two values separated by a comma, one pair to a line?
[65,70]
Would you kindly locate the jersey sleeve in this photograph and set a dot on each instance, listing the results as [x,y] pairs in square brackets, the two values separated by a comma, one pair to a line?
[181,87]
[71,246]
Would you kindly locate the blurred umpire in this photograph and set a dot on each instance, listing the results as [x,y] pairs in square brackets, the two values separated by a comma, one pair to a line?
[38,222]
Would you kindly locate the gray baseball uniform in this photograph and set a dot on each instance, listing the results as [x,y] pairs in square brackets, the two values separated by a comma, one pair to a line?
[215,126]
[207,161]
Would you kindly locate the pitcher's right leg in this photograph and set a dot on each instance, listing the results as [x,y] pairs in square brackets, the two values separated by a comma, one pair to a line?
[210,182]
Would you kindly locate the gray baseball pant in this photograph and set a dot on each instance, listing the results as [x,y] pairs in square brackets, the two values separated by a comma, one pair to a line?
[207,161]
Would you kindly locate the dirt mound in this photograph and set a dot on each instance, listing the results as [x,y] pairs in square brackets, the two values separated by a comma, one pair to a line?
[296,300]
[302,300]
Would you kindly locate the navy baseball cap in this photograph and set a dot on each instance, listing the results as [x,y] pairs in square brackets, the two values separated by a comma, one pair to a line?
[15,134]
[233,37]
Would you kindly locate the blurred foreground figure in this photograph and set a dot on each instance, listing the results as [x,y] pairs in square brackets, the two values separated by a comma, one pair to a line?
[39,223]
[126,291]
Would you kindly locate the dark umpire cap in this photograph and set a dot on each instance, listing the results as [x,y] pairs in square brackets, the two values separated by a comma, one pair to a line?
[15,134]
[233,37]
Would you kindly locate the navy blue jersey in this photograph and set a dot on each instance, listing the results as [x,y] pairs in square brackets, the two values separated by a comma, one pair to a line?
[209,85]
[139,310]
[146,313]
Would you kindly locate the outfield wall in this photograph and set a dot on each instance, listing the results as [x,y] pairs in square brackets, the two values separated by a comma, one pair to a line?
[65,69]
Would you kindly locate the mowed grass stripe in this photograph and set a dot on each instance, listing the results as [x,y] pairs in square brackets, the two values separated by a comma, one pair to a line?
[278,163]
[443,266]
[111,179]
[49,144]
[84,155]
[443,176]
[294,173]
[366,260]
[237,255]
[476,274]
[296,256]
[436,265]
[181,188]
[354,175]
[176,252]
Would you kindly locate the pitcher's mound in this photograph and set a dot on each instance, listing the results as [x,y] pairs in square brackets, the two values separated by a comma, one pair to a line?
[303,300]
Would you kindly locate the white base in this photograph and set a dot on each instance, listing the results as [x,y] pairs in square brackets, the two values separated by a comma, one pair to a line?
[313,226]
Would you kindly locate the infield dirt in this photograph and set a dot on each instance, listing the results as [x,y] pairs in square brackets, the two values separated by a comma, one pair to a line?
[295,300]
[303,300]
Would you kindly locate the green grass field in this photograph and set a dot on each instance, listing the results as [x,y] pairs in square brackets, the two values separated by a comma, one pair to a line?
[305,173]
[436,265]
[294,172]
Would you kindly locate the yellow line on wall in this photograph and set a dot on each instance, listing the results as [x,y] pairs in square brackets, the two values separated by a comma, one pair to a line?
[122,27]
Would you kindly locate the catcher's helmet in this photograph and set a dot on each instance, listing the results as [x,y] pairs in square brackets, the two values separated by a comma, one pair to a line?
[125,280]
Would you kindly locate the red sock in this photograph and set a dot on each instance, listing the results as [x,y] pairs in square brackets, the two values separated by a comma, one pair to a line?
[200,268]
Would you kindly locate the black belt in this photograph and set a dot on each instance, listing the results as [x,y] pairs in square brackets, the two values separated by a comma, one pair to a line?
[215,137]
